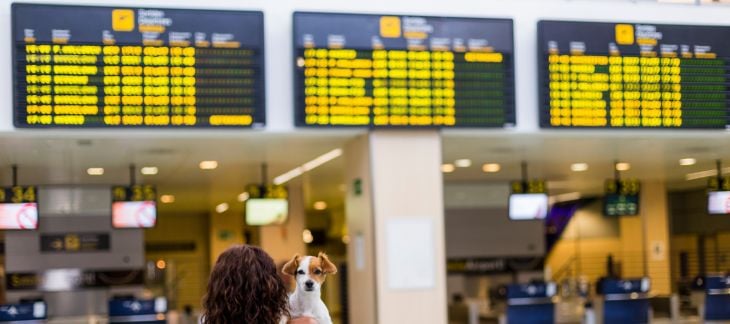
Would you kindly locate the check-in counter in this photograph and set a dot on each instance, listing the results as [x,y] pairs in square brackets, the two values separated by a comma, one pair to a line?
[623,301]
[531,303]
[132,310]
[24,313]
[717,298]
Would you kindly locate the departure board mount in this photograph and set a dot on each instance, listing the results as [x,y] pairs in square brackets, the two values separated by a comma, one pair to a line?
[633,75]
[101,67]
[402,71]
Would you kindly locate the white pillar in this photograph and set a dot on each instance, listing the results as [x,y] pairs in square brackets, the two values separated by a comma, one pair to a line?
[282,242]
[396,257]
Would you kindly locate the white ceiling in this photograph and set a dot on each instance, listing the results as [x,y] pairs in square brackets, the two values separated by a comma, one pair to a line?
[60,158]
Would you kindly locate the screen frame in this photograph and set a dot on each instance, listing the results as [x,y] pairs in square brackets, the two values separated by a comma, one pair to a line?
[261,79]
[38,222]
[245,212]
[708,203]
[297,114]
[543,92]
[509,208]
[111,215]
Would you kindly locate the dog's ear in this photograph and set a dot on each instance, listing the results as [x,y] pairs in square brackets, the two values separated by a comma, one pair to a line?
[290,267]
[327,266]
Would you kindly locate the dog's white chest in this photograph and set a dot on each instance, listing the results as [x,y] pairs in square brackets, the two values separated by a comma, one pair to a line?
[301,306]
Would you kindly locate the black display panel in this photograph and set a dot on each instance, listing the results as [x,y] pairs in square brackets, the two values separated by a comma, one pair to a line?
[402,71]
[630,75]
[82,66]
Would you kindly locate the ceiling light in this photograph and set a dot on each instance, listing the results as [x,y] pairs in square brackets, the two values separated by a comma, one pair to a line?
[447,168]
[462,163]
[243,196]
[687,161]
[95,171]
[286,177]
[307,236]
[705,174]
[309,166]
[491,167]
[322,159]
[150,170]
[623,166]
[320,205]
[221,208]
[208,165]
[579,167]
[167,199]
[161,264]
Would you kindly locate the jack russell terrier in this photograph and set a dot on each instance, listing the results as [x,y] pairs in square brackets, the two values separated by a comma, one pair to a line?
[310,273]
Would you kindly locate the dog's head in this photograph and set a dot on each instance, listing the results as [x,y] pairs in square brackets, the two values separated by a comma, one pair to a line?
[309,271]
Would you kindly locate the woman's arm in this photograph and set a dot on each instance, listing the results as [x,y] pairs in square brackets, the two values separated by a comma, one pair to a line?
[302,320]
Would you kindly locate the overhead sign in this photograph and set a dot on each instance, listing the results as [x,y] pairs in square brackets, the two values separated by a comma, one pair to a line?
[75,242]
[621,197]
[88,66]
[404,71]
[633,75]
[19,208]
[529,187]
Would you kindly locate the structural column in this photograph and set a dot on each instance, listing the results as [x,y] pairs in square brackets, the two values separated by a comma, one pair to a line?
[282,242]
[394,206]
[645,239]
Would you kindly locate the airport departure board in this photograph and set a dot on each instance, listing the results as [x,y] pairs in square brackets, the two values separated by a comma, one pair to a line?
[403,71]
[630,75]
[80,66]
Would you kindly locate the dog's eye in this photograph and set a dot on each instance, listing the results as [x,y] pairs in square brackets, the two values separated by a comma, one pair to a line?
[318,272]
[301,272]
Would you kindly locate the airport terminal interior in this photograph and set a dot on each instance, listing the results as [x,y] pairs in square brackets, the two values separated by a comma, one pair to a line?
[459,162]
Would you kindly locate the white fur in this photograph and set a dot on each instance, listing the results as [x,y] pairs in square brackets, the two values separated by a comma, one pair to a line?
[304,303]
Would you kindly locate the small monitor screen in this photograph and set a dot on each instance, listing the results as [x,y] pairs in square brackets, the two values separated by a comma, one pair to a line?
[718,203]
[261,212]
[23,216]
[528,206]
[134,214]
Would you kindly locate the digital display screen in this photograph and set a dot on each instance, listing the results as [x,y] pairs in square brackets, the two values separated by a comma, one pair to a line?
[260,212]
[83,66]
[403,71]
[528,206]
[19,216]
[629,75]
[718,203]
[621,205]
[134,214]
[19,208]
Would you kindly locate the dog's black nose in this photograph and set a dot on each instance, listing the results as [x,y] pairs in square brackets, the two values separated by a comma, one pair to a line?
[309,284]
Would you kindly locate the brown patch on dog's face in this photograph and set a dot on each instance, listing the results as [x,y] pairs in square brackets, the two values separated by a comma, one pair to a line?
[316,272]
[320,267]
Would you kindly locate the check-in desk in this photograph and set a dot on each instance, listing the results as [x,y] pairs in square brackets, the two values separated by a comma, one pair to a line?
[132,310]
[24,313]
[531,303]
[716,305]
[623,301]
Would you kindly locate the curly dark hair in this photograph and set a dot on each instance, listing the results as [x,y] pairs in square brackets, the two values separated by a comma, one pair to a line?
[244,287]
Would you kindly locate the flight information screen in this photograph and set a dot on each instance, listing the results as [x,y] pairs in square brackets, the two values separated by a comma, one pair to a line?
[626,75]
[79,66]
[403,71]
